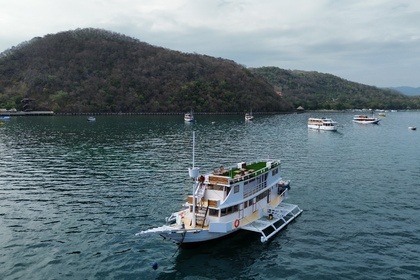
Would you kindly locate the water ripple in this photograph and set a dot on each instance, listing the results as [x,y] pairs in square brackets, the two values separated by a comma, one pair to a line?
[73,194]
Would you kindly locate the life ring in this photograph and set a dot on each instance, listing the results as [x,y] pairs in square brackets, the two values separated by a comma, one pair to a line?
[236,224]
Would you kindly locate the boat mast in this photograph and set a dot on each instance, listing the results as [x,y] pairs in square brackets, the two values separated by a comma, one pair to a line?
[193,172]
[193,151]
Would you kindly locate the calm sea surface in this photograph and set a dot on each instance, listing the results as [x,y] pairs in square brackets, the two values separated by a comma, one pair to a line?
[73,194]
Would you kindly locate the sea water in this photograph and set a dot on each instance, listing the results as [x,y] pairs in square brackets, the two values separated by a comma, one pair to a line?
[73,194]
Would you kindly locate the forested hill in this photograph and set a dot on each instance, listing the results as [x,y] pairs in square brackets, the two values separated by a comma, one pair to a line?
[93,70]
[313,90]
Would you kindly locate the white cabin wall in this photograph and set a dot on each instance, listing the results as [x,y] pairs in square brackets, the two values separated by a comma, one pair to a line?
[215,195]
[235,197]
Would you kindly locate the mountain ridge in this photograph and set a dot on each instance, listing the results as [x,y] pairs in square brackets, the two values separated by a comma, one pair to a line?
[313,90]
[94,70]
[411,91]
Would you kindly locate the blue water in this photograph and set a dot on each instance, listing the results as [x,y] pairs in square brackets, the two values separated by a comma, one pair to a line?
[73,194]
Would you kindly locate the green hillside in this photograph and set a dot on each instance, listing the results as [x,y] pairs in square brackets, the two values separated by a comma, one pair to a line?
[97,71]
[92,70]
[313,90]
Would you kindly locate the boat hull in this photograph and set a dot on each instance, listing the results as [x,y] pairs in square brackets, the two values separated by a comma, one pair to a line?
[275,219]
[364,119]
[194,236]
[367,122]
[321,127]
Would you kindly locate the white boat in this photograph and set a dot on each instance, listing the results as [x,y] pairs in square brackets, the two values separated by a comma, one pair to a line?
[248,196]
[189,117]
[365,119]
[412,128]
[91,119]
[322,124]
[5,118]
[249,116]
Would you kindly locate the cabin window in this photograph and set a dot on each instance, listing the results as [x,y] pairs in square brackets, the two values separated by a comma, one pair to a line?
[236,189]
[274,171]
[262,195]
[251,201]
[251,189]
[229,210]
[214,212]
[245,204]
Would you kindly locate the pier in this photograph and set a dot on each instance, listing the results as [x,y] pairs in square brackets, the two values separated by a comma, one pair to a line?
[24,113]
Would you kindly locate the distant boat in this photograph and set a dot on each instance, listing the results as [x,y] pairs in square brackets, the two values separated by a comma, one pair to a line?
[322,124]
[412,128]
[189,117]
[249,116]
[91,119]
[364,119]
[5,118]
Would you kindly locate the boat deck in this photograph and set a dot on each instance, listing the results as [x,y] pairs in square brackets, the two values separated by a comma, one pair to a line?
[276,219]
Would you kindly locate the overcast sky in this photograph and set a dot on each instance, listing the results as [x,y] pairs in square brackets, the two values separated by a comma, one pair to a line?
[374,42]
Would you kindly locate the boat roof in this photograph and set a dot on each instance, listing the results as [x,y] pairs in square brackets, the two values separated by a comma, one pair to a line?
[325,120]
[242,171]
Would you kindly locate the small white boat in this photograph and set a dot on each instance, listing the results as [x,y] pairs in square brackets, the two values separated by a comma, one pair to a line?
[322,124]
[364,119]
[5,118]
[249,116]
[189,117]
[412,128]
[248,196]
[91,119]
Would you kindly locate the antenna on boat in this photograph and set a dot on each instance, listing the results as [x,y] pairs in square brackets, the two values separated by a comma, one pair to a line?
[193,151]
[193,172]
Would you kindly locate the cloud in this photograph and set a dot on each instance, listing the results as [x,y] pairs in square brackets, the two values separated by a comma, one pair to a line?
[373,42]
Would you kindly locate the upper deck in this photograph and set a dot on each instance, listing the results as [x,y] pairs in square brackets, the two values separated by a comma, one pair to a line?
[243,171]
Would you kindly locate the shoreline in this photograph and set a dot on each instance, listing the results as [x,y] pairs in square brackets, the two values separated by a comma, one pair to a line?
[51,113]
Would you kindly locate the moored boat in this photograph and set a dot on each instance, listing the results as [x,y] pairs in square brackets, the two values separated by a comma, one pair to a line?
[189,117]
[364,119]
[248,196]
[91,119]
[249,116]
[322,124]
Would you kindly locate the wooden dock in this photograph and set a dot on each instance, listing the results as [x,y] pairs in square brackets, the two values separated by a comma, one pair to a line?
[29,113]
